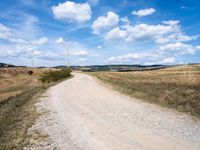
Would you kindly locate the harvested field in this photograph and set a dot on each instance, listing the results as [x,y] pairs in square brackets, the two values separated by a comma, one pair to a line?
[175,87]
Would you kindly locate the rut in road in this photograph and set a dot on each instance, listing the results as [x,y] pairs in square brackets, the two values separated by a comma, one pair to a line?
[84,115]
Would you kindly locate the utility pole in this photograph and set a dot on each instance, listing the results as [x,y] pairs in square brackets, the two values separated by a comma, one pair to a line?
[67,51]
[66,48]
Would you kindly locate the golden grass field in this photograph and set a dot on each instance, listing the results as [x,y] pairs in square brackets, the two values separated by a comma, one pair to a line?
[11,85]
[19,91]
[174,87]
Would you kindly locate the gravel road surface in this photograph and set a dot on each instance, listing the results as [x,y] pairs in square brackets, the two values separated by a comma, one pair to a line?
[81,114]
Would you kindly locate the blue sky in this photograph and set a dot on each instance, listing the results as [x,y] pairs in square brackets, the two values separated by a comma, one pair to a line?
[99,32]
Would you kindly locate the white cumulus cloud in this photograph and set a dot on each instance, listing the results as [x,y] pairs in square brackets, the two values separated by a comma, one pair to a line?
[162,40]
[40,41]
[105,22]
[169,60]
[168,32]
[144,12]
[116,33]
[124,58]
[99,46]
[82,59]
[198,47]
[72,12]
[171,22]
[180,36]
[140,32]
[179,48]
[80,53]
[60,40]
[4,32]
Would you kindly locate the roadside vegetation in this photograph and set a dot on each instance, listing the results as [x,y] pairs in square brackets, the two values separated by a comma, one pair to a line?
[53,76]
[175,87]
[20,89]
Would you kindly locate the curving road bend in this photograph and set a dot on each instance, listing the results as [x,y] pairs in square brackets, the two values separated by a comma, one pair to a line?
[84,115]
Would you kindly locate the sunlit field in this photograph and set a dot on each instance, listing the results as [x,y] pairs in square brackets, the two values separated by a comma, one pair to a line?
[20,89]
[175,87]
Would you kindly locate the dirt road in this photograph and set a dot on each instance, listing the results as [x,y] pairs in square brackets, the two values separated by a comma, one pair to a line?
[84,115]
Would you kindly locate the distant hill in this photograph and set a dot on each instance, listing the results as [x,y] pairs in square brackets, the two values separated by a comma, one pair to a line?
[2,65]
[118,68]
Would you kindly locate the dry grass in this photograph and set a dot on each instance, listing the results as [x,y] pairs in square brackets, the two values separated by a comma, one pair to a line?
[12,85]
[19,91]
[176,87]
[16,115]
[14,81]
[18,94]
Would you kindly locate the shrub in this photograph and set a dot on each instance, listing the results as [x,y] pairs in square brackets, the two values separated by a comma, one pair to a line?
[53,76]
[30,72]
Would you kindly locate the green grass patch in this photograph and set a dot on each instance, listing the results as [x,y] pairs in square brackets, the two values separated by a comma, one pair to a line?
[56,75]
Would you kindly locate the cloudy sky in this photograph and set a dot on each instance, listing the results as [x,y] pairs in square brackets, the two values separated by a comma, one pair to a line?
[99,32]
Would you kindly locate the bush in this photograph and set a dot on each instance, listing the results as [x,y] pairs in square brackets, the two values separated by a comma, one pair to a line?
[53,76]
[30,72]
